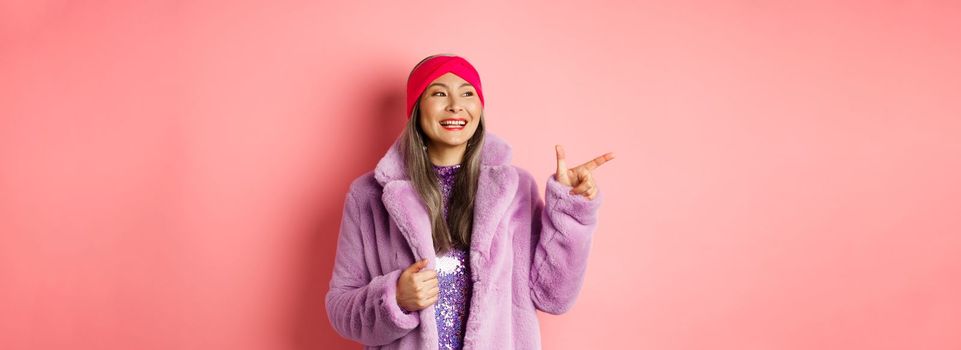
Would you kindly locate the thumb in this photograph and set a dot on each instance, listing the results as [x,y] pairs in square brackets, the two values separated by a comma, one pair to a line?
[561,174]
[417,266]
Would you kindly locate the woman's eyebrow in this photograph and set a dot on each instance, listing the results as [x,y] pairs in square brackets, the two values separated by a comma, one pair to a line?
[439,84]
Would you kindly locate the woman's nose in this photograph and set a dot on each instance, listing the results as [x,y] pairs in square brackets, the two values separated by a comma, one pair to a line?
[454,106]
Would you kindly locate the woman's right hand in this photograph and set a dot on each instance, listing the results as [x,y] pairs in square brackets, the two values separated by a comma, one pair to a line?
[416,289]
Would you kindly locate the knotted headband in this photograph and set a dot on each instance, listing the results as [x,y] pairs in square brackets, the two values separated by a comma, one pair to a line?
[432,68]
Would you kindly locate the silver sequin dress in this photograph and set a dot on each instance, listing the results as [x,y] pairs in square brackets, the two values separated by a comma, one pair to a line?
[454,278]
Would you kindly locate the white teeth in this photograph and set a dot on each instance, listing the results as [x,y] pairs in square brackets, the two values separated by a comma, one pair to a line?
[454,123]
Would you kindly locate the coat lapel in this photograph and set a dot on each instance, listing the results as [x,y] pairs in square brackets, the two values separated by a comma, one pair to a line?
[496,189]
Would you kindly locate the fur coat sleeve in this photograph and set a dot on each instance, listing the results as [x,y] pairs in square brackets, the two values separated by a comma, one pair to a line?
[361,307]
[561,238]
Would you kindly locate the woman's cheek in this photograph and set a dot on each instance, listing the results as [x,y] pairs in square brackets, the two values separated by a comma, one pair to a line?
[475,109]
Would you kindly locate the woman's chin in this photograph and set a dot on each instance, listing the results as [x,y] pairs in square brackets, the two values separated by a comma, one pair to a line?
[455,144]
[446,142]
[453,140]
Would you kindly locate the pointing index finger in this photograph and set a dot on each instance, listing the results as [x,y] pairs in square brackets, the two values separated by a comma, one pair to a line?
[596,162]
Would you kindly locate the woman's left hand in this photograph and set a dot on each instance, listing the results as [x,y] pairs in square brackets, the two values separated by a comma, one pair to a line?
[579,177]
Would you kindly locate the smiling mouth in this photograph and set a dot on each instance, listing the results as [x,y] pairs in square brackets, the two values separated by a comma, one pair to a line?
[453,124]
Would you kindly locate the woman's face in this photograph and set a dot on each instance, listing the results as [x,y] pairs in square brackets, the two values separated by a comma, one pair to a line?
[449,98]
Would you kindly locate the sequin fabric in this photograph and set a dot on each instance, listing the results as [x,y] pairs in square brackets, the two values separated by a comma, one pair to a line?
[453,277]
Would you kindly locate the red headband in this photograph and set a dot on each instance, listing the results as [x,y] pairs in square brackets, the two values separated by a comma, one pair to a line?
[434,67]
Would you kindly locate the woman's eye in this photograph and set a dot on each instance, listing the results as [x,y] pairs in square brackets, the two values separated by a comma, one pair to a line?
[469,93]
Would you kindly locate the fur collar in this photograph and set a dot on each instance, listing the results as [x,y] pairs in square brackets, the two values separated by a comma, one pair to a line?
[496,152]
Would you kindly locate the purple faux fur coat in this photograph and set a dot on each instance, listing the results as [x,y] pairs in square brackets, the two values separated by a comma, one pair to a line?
[524,256]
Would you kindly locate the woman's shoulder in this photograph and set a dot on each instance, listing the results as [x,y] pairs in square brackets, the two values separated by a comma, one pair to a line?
[365,186]
[524,177]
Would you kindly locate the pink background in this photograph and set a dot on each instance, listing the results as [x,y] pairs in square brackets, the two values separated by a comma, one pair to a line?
[787,174]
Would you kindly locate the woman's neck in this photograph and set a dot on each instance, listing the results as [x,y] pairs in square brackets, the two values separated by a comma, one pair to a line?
[446,155]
